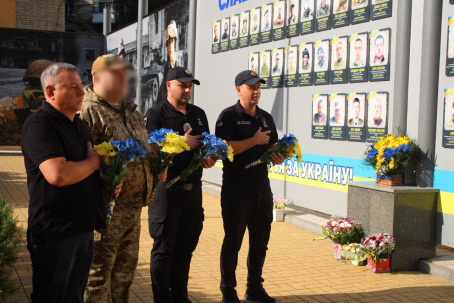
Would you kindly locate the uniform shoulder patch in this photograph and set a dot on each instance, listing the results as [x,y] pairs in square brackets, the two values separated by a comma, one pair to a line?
[219,123]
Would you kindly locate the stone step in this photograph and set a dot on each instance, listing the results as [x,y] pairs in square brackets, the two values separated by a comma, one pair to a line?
[441,266]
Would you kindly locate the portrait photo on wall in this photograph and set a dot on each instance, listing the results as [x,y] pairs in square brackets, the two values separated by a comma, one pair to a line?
[277,67]
[291,65]
[337,116]
[377,115]
[292,19]
[266,23]
[356,117]
[225,34]
[234,35]
[253,62]
[244,29]
[323,15]
[339,59]
[341,13]
[305,60]
[307,16]
[254,36]
[381,9]
[215,48]
[264,67]
[321,62]
[450,48]
[379,50]
[448,119]
[359,11]
[279,20]
[358,45]
[319,119]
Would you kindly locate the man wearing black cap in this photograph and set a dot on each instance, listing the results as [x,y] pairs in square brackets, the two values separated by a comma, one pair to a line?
[176,215]
[246,198]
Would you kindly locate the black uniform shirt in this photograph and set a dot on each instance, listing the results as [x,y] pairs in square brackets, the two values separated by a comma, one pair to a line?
[57,212]
[234,124]
[164,115]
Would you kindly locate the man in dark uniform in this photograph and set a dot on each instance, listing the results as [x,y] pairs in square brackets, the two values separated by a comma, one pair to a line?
[176,215]
[246,198]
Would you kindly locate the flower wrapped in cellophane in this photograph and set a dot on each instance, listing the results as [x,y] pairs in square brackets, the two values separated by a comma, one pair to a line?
[166,143]
[213,147]
[353,252]
[379,247]
[343,231]
[288,146]
[115,156]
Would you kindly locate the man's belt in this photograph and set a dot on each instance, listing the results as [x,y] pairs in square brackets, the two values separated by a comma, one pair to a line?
[187,186]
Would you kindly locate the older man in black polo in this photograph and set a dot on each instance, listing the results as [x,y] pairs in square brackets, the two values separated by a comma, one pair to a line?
[65,189]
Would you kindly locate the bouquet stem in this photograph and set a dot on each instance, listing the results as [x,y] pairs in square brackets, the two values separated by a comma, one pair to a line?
[110,208]
[172,182]
[255,163]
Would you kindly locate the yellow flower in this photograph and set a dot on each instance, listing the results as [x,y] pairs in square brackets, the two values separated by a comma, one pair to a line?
[229,152]
[391,163]
[174,144]
[105,150]
[297,152]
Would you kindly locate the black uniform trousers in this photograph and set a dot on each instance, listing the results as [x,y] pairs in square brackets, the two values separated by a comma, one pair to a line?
[245,207]
[175,223]
[61,268]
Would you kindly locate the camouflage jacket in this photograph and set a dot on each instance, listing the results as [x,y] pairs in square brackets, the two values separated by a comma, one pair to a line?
[108,123]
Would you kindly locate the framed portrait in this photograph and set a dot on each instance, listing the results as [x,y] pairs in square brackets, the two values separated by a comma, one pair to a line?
[291,65]
[254,36]
[266,23]
[450,48]
[234,34]
[341,13]
[305,64]
[225,34]
[321,62]
[336,116]
[216,37]
[448,119]
[359,11]
[277,67]
[292,19]
[323,15]
[356,117]
[377,115]
[319,116]
[264,67]
[339,59]
[381,9]
[358,57]
[379,50]
[244,29]
[307,16]
[253,62]
[279,20]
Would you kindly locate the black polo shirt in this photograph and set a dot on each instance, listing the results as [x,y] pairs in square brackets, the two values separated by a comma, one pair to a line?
[234,124]
[58,212]
[164,115]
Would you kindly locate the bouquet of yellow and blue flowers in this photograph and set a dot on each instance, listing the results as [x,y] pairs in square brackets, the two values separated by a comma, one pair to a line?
[287,146]
[115,156]
[167,143]
[391,155]
[213,147]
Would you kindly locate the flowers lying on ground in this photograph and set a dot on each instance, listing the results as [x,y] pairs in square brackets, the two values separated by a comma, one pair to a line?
[379,246]
[280,203]
[391,155]
[287,146]
[343,230]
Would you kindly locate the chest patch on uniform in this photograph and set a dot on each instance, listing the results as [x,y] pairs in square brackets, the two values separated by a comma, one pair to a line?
[200,121]
[244,122]
[264,123]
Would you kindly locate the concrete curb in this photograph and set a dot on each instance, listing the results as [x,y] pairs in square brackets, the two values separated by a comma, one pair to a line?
[10,153]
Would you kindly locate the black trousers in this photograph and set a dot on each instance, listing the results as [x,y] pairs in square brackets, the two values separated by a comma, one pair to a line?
[175,223]
[241,208]
[60,268]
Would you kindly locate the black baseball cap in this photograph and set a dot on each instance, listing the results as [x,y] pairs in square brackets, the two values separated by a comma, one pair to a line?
[181,74]
[248,77]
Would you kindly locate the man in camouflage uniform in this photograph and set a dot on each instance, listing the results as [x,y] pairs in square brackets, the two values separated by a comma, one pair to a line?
[109,117]
[14,110]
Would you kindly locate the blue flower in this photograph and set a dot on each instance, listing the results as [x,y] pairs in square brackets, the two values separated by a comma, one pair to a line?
[159,135]
[388,153]
[213,146]
[129,149]
[287,139]
[371,154]
[403,148]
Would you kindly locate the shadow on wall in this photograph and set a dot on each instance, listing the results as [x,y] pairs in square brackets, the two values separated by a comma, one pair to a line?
[278,109]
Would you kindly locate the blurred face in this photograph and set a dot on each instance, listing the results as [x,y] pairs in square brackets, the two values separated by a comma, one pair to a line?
[358,50]
[277,61]
[323,3]
[339,50]
[112,83]
[255,21]
[252,64]
[171,48]
[180,92]
[291,59]
[337,114]
[377,109]
[250,94]
[292,10]
[320,108]
[264,60]
[356,109]
[67,95]
[267,18]
[215,30]
[226,27]
[234,28]
[305,59]
[320,55]
[279,14]
[379,47]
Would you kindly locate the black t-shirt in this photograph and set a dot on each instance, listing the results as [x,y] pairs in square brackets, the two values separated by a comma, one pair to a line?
[234,124]
[164,115]
[57,212]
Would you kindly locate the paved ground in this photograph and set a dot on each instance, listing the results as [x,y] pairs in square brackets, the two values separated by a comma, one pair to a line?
[297,269]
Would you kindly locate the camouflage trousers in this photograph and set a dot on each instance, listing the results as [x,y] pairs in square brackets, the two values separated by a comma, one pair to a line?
[115,261]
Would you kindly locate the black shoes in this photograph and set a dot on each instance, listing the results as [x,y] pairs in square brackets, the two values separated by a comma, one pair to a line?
[230,297]
[258,294]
